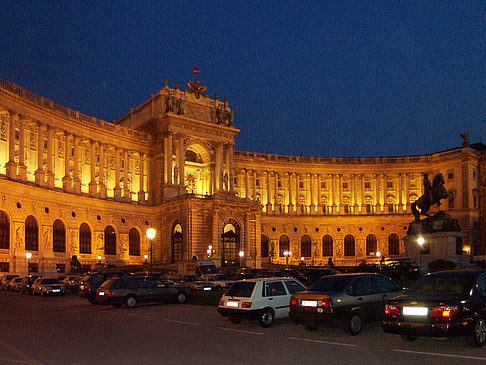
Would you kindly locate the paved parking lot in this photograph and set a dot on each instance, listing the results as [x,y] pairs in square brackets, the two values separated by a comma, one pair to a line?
[69,330]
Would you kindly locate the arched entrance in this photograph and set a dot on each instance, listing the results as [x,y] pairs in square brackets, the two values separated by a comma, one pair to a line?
[176,248]
[230,240]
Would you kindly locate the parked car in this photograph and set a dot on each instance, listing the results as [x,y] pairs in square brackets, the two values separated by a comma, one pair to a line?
[68,281]
[219,281]
[48,286]
[91,282]
[133,290]
[401,270]
[194,282]
[312,274]
[15,284]
[350,298]
[4,283]
[261,299]
[26,286]
[442,304]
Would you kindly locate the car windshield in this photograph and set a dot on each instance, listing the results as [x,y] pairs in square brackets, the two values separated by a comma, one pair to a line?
[221,277]
[331,284]
[50,281]
[443,284]
[241,289]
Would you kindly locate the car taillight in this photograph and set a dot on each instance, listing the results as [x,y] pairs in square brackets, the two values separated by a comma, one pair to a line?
[246,305]
[293,302]
[391,310]
[221,303]
[443,311]
[326,302]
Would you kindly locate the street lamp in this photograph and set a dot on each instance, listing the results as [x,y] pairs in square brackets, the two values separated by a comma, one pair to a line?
[151,235]
[99,259]
[145,257]
[241,254]
[287,254]
[28,256]
[421,242]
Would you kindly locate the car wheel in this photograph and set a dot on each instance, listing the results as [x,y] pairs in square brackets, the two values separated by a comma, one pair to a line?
[131,301]
[354,324]
[311,328]
[181,298]
[266,318]
[478,336]
[409,338]
[235,320]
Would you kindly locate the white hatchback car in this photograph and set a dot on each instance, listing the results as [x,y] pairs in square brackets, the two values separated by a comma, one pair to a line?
[262,299]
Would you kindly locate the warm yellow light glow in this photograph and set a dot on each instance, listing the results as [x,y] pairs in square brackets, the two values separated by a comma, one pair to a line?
[241,253]
[420,241]
[28,255]
[378,254]
[467,249]
[151,233]
[99,258]
[302,259]
[145,257]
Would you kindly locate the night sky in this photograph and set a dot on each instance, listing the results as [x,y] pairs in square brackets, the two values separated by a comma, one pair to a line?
[317,78]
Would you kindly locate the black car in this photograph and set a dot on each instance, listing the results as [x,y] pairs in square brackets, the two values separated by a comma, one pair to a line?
[140,289]
[91,282]
[443,304]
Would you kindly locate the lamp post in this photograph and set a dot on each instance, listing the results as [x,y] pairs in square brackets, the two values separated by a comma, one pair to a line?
[151,235]
[99,260]
[28,256]
[421,242]
[241,254]
[287,254]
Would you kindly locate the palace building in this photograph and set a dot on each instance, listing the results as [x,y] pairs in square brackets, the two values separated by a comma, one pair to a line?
[72,184]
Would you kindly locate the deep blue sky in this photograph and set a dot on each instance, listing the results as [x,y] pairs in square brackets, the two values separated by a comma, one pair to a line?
[317,78]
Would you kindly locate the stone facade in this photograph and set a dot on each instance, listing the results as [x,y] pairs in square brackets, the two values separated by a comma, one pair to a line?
[72,184]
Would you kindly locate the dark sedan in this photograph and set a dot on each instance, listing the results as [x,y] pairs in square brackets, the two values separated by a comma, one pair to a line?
[133,290]
[443,304]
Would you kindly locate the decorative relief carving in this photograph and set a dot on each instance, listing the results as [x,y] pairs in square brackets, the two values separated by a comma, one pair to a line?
[3,131]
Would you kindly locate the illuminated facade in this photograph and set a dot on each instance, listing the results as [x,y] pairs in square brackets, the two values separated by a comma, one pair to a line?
[72,184]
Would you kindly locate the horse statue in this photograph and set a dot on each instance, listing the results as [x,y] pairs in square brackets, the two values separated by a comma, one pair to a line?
[433,193]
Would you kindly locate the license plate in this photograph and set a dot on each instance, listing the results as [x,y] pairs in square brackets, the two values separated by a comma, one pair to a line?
[208,288]
[309,303]
[232,304]
[415,311]
[56,290]
[101,293]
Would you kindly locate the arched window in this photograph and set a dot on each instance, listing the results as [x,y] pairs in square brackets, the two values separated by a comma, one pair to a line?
[177,240]
[110,241]
[264,246]
[371,245]
[305,246]
[327,249]
[4,231]
[393,244]
[84,238]
[283,245]
[58,236]
[349,245]
[134,242]
[31,234]
[231,243]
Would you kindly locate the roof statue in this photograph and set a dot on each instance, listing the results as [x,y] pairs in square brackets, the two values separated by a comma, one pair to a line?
[465,138]
[197,89]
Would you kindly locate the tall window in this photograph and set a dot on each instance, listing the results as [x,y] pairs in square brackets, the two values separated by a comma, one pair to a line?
[110,241]
[58,236]
[230,243]
[327,249]
[31,234]
[349,245]
[134,242]
[84,238]
[264,246]
[393,244]
[177,253]
[305,246]
[4,231]
[370,245]
[283,245]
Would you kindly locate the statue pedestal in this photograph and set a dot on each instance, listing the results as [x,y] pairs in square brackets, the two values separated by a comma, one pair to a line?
[443,239]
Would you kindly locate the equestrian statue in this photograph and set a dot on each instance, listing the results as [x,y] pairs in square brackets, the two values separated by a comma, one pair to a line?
[433,193]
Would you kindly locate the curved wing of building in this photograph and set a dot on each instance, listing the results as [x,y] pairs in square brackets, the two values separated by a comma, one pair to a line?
[74,185]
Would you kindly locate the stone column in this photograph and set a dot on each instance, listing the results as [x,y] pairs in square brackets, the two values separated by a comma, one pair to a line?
[269,196]
[319,194]
[93,188]
[355,185]
[181,162]
[291,203]
[312,194]
[40,175]
[230,169]
[219,167]
[76,179]
[333,194]
[66,180]
[399,191]
[247,184]
[50,145]
[377,193]
[169,159]
[11,166]
[298,206]
[407,193]
[141,192]
[101,173]
[276,205]
[126,162]
[117,188]
[254,184]
[339,193]
[362,187]
[22,166]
